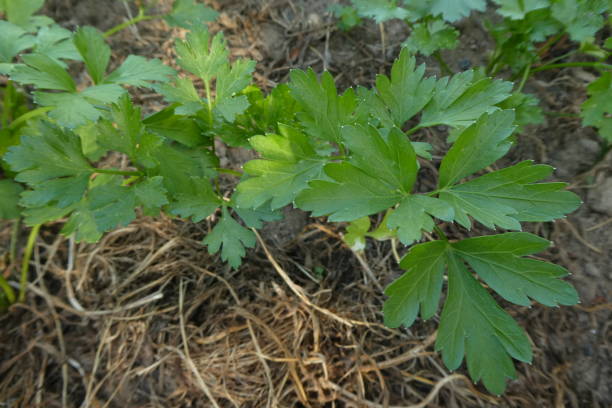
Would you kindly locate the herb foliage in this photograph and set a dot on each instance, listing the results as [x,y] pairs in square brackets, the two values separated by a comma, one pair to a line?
[345,155]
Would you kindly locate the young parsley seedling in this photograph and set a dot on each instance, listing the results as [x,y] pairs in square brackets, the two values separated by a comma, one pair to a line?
[345,155]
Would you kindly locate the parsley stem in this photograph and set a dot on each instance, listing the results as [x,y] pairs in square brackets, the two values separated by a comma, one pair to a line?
[524,78]
[228,171]
[7,105]
[383,39]
[29,115]
[440,233]
[599,65]
[8,292]
[25,263]
[117,172]
[140,17]
[14,239]
[543,49]
[560,57]
[446,70]
[209,102]
[413,130]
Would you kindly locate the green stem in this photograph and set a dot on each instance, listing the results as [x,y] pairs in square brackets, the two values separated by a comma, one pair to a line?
[117,172]
[599,65]
[560,57]
[25,264]
[524,78]
[229,171]
[130,180]
[27,116]
[492,65]
[209,102]
[8,291]
[6,104]
[383,39]
[14,238]
[549,43]
[446,70]
[440,233]
[413,130]
[140,17]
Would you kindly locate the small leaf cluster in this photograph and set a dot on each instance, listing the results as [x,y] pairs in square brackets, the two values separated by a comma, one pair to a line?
[344,155]
[523,38]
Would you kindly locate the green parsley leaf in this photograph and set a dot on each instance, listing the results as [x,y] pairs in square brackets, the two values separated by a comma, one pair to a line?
[472,324]
[128,134]
[391,159]
[380,10]
[288,162]
[231,238]
[497,260]
[414,215]
[254,218]
[507,196]
[581,18]
[229,108]
[478,146]
[14,40]
[517,9]
[597,109]
[234,79]
[264,115]
[112,205]
[181,91]
[41,158]
[183,129]
[419,288]
[19,12]
[9,204]
[56,42]
[461,99]
[151,195]
[197,202]
[189,14]
[356,232]
[526,108]
[108,205]
[201,56]
[95,51]
[351,194]
[406,92]
[44,73]
[61,192]
[138,71]
[432,36]
[324,111]
[75,109]
[179,165]
[451,10]
[380,172]
[349,18]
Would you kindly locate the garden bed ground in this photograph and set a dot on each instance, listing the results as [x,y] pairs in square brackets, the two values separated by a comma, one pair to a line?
[147,318]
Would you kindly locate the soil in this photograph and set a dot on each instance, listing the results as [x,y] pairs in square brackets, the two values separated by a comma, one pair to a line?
[147,318]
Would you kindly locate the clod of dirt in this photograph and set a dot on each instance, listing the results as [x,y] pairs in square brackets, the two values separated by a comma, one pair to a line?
[577,155]
[273,41]
[600,197]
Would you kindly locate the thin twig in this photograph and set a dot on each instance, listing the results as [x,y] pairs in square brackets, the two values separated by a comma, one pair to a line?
[185,356]
[299,291]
